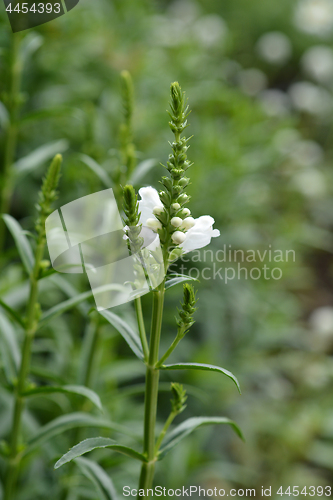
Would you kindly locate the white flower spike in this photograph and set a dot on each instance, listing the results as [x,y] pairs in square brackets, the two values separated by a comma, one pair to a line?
[199,232]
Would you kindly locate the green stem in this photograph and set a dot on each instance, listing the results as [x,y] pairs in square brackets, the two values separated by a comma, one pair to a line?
[151,394]
[167,424]
[11,138]
[170,350]
[89,351]
[31,326]
[142,330]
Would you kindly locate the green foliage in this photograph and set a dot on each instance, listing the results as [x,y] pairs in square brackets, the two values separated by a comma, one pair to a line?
[262,169]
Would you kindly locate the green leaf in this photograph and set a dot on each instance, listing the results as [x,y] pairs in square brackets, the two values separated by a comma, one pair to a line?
[67,389]
[45,113]
[4,116]
[128,334]
[201,366]
[185,428]
[98,476]
[93,443]
[21,241]
[39,156]
[174,279]
[30,44]
[97,169]
[9,349]
[142,170]
[76,300]
[61,308]
[71,421]
[68,289]
[12,313]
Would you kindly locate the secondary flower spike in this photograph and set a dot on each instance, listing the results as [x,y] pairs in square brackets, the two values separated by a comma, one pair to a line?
[197,236]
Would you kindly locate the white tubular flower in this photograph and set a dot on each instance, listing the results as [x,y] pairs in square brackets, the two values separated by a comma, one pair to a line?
[149,203]
[200,234]
[176,221]
[197,236]
[178,237]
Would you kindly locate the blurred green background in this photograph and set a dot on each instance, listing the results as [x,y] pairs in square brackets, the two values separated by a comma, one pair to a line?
[259,78]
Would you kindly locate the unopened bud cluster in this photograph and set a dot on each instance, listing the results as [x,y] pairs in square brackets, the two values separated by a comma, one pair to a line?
[132,218]
[48,194]
[173,219]
[186,320]
[179,398]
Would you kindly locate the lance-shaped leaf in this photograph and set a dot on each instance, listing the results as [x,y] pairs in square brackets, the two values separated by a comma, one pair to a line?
[94,443]
[61,308]
[66,389]
[97,169]
[204,367]
[14,315]
[174,279]
[185,428]
[98,476]
[141,170]
[39,156]
[9,349]
[21,241]
[128,334]
[71,421]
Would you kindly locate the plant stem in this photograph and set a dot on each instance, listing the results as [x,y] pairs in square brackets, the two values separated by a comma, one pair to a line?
[151,394]
[31,326]
[89,351]
[141,325]
[170,350]
[11,138]
[167,424]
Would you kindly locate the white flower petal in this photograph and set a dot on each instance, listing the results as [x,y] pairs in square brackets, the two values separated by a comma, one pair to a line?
[200,234]
[149,201]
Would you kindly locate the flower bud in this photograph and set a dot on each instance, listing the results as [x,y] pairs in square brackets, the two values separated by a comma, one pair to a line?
[186,212]
[165,198]
[184,182]
[176,173]
[183,198]
[175,206]
[175,254]
[176,190]
[167,182]
[158,210]
[187,223]
[176,221]
[178,237]
[153,224]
